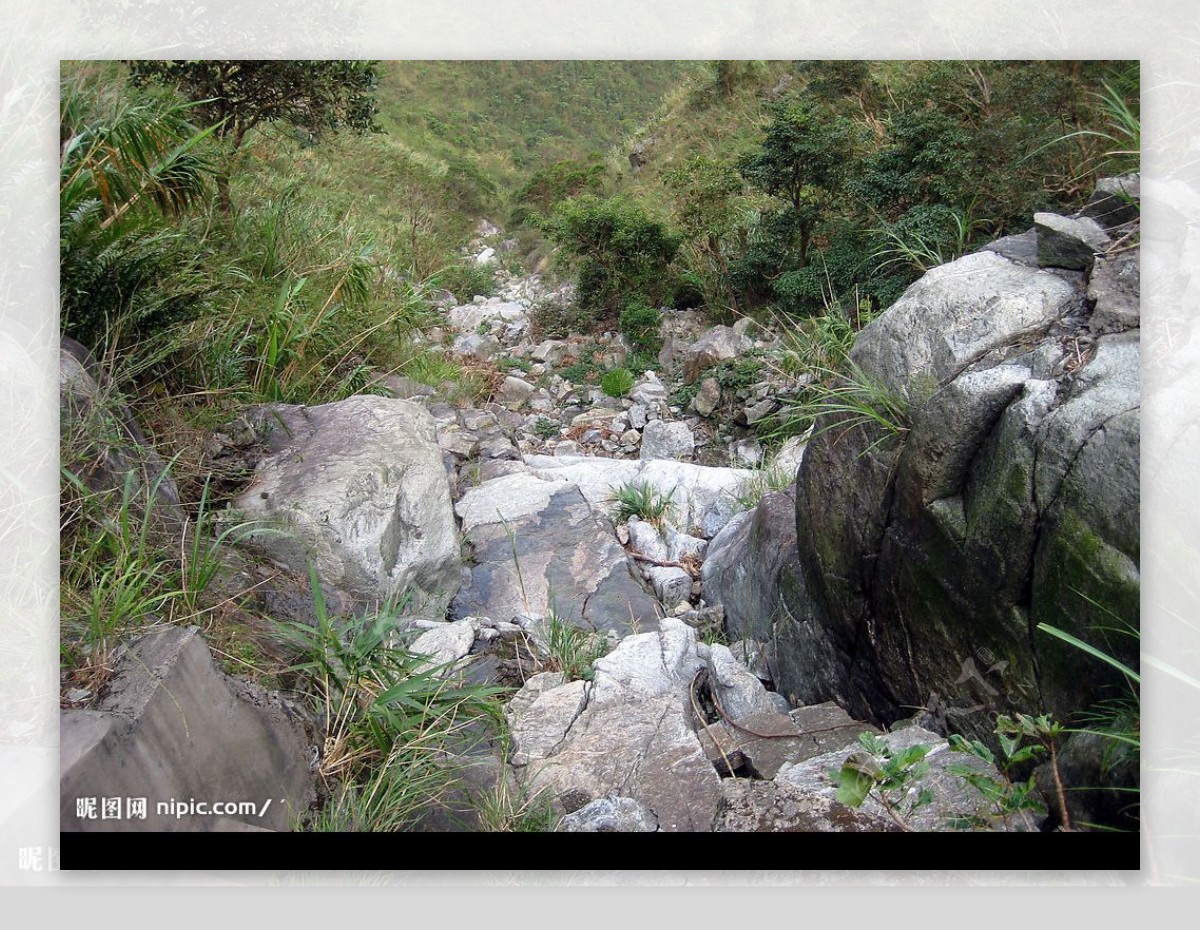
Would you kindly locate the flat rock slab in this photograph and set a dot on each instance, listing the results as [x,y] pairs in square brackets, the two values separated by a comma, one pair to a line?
[702,496]
[174,728]
[642,750]
[768,807]
[539,549]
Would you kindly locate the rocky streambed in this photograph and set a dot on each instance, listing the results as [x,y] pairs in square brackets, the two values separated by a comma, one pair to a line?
[743,629]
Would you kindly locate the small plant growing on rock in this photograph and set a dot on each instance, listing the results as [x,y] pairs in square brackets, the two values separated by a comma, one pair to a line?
[640,324]
[642,500]
[886,775]
[573,651]
[848,399]
[1006,796]
[764,481]
[617,383]
[545,428]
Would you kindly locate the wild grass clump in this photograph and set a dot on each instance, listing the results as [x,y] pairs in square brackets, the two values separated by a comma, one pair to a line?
[573,651]
[392,724]
[766,480]
[642,500]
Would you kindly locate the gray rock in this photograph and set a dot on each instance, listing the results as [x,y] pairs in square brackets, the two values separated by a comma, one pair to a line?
[551,352]
[742,695]
[719,344]
[610,815]
[699,494]
[747,452]
[681,546]
[637,416]
[445,644]
[171,726]
[1115,201]
[498,446]
[671,585]
[474,345]
[1012,498]
[750,563]
[957,314]
[649,392]
[648,665]
[717,517]
[359,488]
[953,797]
[535,685]
[761,410]
[648,540]
[474,419]
[1021,248]
[663,440]
[772,807]
[707,398]
[751,654]
[514,392]
[539,728]
[787,460]
[641,749]
[538,547]
[468,318]
[457,441]
[1068,243]
[1115,287]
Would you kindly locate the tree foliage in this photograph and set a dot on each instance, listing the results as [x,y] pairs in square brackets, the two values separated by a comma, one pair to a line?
[623,253]
[804,161]
[237,96]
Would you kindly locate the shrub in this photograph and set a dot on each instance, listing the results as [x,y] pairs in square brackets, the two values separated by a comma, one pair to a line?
[640,325]
[623,253]
[617,383]
[466,279]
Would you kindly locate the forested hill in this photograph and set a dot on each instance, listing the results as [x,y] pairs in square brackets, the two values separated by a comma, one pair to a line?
[512,117]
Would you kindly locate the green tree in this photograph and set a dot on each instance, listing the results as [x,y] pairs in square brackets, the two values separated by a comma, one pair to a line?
[708,204]
[623,253]
[804,161]
[236,96]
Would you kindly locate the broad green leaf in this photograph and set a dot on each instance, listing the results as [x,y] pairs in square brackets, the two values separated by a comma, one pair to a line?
[853,785]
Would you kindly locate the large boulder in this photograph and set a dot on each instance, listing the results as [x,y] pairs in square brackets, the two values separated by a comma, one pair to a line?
[719,344]
[358,487]
[750,563]
[629,734]
[539,548]
[1007,496]
[172,728]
